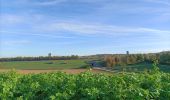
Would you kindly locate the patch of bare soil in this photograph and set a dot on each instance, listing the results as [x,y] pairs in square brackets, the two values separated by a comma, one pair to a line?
[70,71]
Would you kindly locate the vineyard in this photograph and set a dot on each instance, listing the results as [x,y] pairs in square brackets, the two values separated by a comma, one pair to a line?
[85,86]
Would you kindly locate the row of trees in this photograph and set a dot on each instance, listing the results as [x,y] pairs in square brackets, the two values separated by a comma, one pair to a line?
[125,59]
[40,58]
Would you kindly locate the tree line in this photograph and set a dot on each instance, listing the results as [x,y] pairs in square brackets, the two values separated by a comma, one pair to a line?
[126,59]
[40,58]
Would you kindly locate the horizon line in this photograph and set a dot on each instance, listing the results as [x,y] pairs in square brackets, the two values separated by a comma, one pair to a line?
[89,54]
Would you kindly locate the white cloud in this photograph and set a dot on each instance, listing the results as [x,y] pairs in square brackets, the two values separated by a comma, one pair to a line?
[48,2]
[51,36]
[15,42]
[35,34]
[45,26]
[165,2]
[139,8]
[101,29]
[10,19]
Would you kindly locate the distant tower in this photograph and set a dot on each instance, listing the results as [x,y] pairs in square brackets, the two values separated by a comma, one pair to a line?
[127,56]
[49,54]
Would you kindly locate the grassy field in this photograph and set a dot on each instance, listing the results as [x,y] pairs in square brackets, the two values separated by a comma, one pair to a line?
[143,67]
[55,64]
[72,64]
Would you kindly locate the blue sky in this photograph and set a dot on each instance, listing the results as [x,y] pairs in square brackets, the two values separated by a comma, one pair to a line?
[83,27]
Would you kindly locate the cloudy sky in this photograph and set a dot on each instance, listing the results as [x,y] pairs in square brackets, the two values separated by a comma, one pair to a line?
[83,27]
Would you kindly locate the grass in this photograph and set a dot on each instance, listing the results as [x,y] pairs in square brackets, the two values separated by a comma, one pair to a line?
[143,66]
[53,64]
[70,64]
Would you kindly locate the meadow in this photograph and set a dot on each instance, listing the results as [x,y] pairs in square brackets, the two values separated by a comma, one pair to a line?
[43,65]
[75,64]
[138,67]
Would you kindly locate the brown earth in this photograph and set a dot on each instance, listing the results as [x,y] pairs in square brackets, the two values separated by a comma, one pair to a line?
[70,71]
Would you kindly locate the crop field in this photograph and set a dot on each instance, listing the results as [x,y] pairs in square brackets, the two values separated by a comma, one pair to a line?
[43,65]
[153,85]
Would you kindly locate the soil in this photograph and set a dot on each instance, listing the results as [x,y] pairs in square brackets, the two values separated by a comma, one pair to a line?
[70,71]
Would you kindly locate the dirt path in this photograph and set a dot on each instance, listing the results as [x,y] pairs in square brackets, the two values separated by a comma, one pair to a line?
[70,71]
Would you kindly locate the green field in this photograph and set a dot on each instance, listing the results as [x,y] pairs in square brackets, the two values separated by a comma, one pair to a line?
[85,86]
[55,64]
[142,67]
[69,64]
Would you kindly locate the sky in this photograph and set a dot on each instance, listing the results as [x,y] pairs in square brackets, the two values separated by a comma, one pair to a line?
[83,27]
